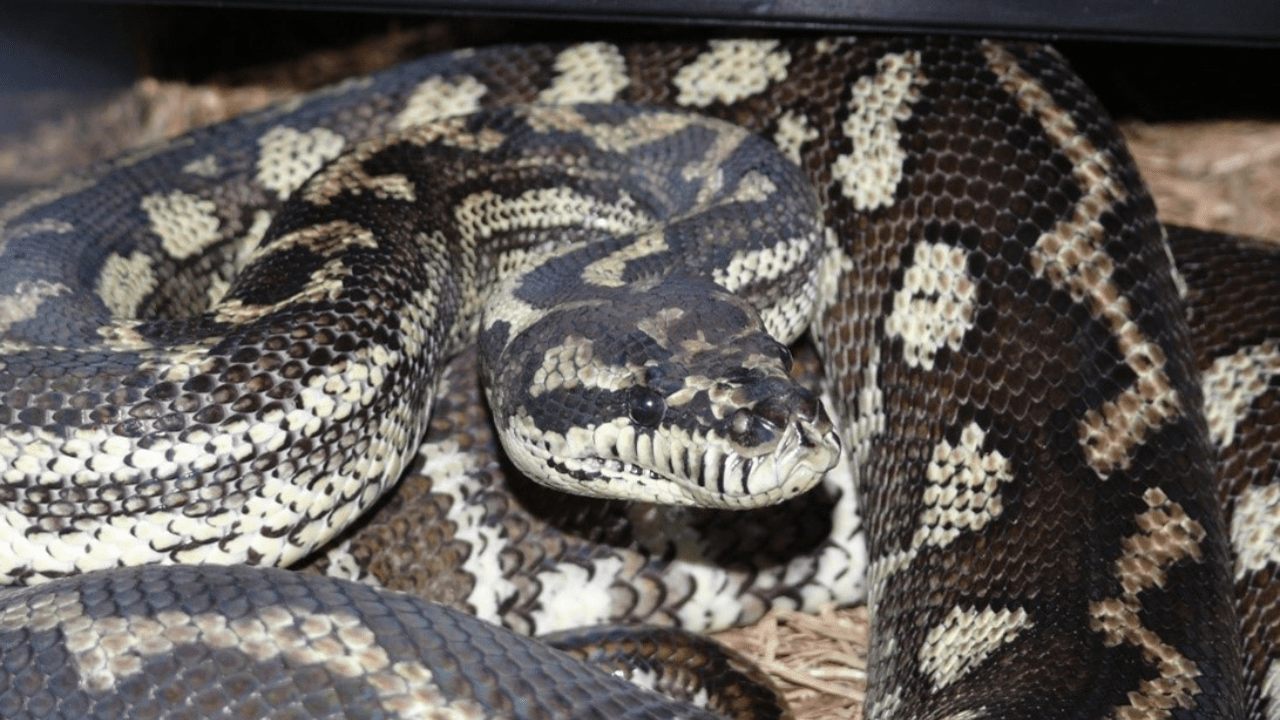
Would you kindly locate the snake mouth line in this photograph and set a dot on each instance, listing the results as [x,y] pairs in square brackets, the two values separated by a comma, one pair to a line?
[595,475]
[724,481]
[597,469]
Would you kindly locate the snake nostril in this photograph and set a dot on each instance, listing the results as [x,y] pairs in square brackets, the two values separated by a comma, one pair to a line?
[784,354]
[773,411]
[750,430]
[756,433]
[808,407]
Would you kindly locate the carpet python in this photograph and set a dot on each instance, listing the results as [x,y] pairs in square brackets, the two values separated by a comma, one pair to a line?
[1058,439]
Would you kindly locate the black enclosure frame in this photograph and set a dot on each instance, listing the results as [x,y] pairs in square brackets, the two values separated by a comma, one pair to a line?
[1234,22]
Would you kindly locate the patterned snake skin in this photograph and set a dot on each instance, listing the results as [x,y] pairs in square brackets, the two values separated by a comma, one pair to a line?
[1060,480]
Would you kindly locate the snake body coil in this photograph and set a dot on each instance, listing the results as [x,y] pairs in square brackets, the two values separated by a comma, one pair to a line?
[999,319]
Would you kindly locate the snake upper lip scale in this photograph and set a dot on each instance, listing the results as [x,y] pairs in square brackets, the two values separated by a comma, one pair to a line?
[955,222]
[711,473]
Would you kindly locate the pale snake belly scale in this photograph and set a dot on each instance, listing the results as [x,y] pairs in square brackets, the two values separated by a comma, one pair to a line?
[1000,322]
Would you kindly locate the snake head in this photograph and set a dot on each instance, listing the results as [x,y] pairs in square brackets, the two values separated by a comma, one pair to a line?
[674,395]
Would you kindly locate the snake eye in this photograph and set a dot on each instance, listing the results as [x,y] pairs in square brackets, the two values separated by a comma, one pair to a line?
[645,406]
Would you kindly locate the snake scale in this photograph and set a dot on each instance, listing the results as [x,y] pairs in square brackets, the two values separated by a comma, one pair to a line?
[1060,442]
